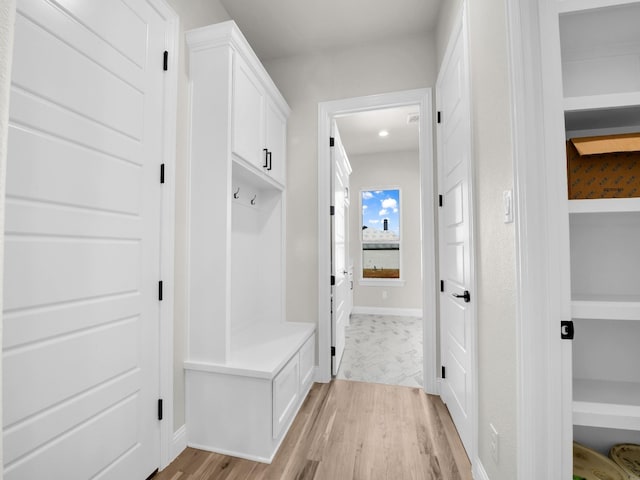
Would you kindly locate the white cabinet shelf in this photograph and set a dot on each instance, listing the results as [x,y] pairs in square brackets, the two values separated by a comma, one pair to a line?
[606,404]
[606,307]
[605,205]
[568,6]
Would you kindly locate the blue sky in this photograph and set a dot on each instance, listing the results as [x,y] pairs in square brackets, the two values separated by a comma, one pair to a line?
[378,205]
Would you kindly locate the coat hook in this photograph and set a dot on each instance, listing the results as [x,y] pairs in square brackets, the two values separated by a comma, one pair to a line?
[253,200]
[235,194]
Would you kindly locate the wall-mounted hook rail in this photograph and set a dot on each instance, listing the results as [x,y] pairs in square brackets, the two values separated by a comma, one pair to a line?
[235,194]
[253,200]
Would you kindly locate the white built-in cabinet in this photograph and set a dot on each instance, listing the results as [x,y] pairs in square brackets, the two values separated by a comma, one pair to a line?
[600,52]
[247,370]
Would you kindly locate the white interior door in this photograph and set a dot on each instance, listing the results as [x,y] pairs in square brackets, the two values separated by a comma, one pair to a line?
[82,239]
[456,269]
[340,289]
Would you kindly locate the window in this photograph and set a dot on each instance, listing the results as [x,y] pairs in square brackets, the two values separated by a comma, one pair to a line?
[380,233]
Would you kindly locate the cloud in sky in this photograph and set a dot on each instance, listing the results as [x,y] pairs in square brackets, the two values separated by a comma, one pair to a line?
[390,203]
[367,195]
[364,207]
[374,221]
[384,211]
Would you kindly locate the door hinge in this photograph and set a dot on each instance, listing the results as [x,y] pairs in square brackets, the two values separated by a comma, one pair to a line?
[332,210]
[440,200]
[162,173]
[160,290]
[165,61]
[332,142]
[566,330]
[442,285]
[160,411]
[439,120]
[333,351]
[444,374]
[333,280]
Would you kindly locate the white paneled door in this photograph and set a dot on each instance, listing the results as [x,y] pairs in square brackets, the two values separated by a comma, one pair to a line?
[340,171]
[82,256]
[456,301]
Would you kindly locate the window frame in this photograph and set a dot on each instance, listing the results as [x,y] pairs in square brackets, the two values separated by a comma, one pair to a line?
[381,282]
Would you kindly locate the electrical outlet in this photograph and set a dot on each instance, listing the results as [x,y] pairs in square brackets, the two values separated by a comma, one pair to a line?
[494,443]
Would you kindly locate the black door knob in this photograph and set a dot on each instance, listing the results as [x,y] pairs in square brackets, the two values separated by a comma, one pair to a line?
[466,295]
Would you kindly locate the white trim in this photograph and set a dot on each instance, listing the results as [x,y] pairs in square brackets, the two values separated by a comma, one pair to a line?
[398,312]
[179,443]
[478,472]
[327,111]
[542,419]
[233,453]
[168,228]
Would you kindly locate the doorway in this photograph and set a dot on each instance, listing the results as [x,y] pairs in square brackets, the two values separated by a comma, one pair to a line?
[383,341]
[328,111]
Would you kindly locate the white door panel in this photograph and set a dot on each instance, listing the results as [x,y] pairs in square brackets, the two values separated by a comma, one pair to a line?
[454,147]
[82,241]
[340,292]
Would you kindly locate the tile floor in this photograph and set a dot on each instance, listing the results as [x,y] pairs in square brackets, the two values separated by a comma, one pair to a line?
[383,349]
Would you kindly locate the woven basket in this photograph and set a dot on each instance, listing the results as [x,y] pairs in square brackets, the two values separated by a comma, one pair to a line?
[591,465]
[627,456]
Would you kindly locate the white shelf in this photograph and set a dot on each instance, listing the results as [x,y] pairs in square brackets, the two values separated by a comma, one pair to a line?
[604,205]
[602,102]
[248,173]
[606,307]
[605,404]
[260,350]
[568,6]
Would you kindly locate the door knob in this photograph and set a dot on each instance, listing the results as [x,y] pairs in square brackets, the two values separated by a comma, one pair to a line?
[466,295]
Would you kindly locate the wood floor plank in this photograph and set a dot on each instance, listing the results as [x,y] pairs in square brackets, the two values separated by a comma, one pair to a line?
[349,430]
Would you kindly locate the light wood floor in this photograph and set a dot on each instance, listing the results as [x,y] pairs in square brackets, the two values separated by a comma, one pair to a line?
[349,430]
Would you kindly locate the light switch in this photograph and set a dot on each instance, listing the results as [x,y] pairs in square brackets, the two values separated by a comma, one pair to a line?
[507,201]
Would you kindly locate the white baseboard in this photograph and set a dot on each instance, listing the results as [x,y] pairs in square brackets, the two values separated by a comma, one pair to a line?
[400,312]
[478,471]
[317,378]
[179,442]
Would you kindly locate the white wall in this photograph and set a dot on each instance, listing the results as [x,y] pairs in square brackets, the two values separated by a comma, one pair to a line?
[400,169]
[495,241]
[305,81]
[7,19]
[193,14]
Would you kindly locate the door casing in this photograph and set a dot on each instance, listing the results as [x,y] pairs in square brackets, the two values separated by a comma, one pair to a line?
[422,98]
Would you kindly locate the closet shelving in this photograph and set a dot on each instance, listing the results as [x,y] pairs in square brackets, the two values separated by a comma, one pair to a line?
[600,45]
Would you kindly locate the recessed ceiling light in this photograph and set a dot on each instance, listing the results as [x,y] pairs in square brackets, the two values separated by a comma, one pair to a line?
[383,133]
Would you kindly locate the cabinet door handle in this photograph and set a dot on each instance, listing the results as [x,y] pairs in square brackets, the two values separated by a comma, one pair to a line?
[466,295]
[266,158]
[269,157]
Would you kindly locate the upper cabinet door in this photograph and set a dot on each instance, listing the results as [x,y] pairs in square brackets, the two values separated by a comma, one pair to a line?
[276,142]
[247,116]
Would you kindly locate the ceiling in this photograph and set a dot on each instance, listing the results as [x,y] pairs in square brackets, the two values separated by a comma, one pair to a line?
[283,28]
[359,131]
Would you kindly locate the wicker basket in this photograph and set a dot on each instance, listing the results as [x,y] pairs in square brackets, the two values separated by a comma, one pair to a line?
[627,456]
[591,465]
